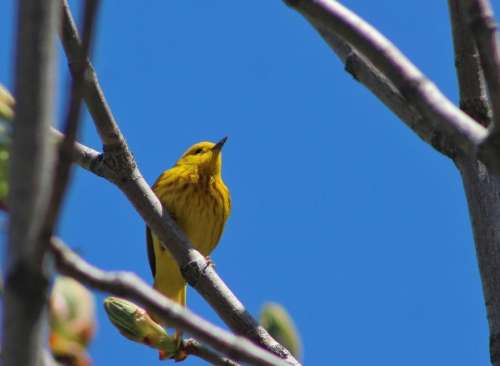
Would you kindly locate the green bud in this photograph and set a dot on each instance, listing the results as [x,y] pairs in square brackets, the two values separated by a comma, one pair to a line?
[134,323]
[72,311]
[6,104]
[276,320]
[6,115]
[72,321]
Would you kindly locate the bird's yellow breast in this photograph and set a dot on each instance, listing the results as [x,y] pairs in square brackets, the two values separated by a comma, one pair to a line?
[200,206]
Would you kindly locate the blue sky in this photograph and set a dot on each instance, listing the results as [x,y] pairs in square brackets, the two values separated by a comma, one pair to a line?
[340,213]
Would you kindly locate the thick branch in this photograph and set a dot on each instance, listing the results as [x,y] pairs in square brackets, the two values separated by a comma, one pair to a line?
[129,286]
[483,197]
[483,26]
[364,72]
[125,174]
[30,176]
[331,16]
[482,189]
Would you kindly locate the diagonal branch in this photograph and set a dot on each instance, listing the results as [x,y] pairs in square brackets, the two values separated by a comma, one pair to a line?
[193,347]
[63,167]
[331,16]
[364,72]
[482,189]
[483,28]
[128,285]
[94,97]
[125,174]
[29,183]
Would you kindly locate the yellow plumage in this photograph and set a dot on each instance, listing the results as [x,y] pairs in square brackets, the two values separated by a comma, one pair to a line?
[198,200]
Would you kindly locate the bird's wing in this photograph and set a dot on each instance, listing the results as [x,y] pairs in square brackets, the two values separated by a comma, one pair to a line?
[149,235]
[151,251]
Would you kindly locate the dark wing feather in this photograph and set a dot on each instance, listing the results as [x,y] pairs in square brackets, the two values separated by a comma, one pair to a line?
[151,251]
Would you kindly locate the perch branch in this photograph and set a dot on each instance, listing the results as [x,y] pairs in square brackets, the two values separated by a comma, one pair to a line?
[129,286]
[125,174]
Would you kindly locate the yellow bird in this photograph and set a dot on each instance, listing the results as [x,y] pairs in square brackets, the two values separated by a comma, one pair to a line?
[198,200]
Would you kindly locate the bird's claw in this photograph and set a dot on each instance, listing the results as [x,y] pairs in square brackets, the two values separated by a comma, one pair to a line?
[210,262]
[181,355]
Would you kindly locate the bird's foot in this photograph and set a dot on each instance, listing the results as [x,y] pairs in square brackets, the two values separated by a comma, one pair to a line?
[181,355]
[210,262]
[162,355]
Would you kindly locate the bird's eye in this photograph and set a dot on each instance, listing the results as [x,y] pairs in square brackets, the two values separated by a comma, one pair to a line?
[198,151]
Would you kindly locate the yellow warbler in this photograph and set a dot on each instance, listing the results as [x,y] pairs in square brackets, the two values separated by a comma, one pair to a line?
[199,201]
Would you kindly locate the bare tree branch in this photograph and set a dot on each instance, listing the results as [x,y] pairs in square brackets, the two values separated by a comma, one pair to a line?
[193,347]
[364,72]
[125,174]
[63,167]
[331,16]
[94,97]
[483,27]
[483,197]
[30,177]
[86,157]
[129,286]
[473,98]
[482,189]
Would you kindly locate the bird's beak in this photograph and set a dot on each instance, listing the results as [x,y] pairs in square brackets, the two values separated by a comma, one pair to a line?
[218,146]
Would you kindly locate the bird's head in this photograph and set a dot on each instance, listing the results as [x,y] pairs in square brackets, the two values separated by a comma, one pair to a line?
[205,156]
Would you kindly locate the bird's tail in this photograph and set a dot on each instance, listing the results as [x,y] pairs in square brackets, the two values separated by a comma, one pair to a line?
[178,296]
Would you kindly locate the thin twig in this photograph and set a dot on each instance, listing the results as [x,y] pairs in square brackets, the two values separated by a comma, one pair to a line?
[63,168]
[29,183]
[482,189]
[94,97]
[118,159]
[484,30]
[86,157]
[193,347]
[333,17]
[130,286]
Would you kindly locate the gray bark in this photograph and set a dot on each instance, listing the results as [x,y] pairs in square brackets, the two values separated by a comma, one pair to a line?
[481,187]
